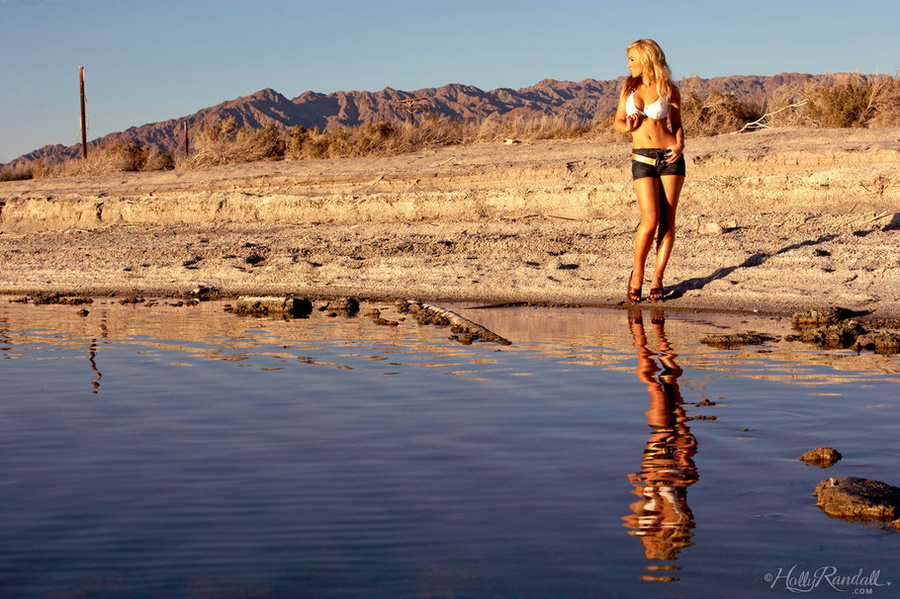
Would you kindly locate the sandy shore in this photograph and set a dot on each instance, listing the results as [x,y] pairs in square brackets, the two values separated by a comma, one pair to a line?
[772,221]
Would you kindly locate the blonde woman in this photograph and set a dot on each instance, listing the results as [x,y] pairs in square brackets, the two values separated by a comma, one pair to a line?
[649,110]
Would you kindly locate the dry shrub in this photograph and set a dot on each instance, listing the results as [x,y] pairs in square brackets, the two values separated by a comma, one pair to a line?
[437,131]
[16,173]
[843,105]
[786,107]
[225,143]
[40,169]
[372,139]
[113,157]
[870,101]
[885,102]
[856,101]
[715,114]
[156,160]
[531,128]
[307,143]
[387,139]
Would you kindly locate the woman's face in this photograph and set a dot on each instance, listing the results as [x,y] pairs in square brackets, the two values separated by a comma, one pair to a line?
[634,64]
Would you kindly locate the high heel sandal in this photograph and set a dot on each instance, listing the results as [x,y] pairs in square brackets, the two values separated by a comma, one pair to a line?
[634,293]
[657,293]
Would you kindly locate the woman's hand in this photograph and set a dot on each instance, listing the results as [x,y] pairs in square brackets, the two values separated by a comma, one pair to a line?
[632,122]
[674,152]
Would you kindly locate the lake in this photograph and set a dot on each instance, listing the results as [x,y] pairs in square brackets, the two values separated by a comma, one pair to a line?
[176,451]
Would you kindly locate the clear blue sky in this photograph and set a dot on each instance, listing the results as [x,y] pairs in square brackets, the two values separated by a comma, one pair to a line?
[148,61]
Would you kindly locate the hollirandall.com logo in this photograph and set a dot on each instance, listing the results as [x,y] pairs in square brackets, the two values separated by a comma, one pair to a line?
[796,580]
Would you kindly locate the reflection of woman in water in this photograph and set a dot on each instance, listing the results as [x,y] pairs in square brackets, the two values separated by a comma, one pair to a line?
[662,518]
[649,109]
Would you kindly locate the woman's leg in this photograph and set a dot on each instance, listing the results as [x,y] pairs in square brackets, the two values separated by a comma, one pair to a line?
[668,204]
[648,192]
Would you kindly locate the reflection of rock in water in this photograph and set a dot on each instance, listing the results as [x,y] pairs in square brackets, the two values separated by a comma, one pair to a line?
[661,517]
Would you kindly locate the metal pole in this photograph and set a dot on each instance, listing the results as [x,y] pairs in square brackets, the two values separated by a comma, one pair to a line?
[186,147]
[83,119]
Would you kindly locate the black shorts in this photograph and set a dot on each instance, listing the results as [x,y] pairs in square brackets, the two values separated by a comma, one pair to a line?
[639,170]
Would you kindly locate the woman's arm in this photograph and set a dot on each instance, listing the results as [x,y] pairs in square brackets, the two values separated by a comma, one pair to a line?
[625,123]
[677,149]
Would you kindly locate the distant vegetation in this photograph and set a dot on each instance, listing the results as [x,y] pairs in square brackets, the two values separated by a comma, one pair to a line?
[856,102]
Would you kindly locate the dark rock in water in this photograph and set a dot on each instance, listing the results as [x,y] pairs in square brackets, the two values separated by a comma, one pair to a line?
[343,305]
[844,334]
[43,299]
[204,294]
[853,498]
[880,341]
[736,339]
[817,317]
[272,306]
[375,315]
[823,457]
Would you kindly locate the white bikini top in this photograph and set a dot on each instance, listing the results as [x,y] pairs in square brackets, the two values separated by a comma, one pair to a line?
[656,111]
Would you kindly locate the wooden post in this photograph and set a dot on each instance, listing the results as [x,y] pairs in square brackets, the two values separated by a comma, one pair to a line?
[411,105]
[186,147]
[83,119]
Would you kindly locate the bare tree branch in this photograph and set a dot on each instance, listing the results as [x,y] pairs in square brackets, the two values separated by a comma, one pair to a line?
[761,122]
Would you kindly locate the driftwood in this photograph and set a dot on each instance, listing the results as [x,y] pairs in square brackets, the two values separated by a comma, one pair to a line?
[464,330]
[879,217]
[760,123]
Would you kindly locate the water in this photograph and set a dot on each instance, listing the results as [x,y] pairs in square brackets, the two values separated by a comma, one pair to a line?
[170,451]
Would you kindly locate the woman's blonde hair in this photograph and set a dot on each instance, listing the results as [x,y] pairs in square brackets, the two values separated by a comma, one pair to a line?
[656,70]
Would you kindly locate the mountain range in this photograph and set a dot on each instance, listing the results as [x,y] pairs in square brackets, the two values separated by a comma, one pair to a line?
[583,100]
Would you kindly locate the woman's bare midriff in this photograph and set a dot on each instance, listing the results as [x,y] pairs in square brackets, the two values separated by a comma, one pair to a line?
[653,134]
